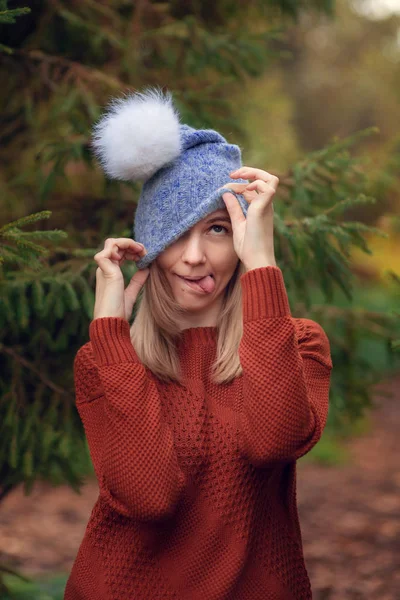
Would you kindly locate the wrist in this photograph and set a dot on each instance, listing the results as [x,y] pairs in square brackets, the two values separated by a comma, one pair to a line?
[257,264]
[107,316]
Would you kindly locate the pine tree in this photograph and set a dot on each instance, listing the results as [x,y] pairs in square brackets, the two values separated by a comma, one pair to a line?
[59,66]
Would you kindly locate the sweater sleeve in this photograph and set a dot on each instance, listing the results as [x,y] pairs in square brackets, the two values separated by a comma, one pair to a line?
[132,449]
[286,366]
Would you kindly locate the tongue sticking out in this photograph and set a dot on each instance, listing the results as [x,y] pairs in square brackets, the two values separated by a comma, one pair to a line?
[207,283]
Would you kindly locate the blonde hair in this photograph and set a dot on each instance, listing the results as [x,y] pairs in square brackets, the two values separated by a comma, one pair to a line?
[155,330]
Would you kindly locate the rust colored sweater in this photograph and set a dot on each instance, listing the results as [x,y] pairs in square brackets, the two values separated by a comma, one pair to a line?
[197,483]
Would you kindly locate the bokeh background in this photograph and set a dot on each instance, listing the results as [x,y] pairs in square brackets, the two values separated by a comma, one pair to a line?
[310,90]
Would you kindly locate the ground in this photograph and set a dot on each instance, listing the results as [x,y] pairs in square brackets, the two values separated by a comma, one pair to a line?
[349,515]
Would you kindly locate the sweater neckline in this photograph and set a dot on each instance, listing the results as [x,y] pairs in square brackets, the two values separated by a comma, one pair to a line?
[198,336]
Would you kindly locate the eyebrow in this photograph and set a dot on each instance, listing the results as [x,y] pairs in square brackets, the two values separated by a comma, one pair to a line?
[221,218]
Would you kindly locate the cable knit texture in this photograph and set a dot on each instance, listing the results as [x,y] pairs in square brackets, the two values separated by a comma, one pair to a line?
[197,482]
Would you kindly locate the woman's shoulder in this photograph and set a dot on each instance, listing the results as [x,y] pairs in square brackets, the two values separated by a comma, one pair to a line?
[85,355]
[308,327]
[313,339]
[86,376]
[85,366]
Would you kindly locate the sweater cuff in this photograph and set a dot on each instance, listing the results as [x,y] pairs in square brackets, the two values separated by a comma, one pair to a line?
[111,341]
[264,294]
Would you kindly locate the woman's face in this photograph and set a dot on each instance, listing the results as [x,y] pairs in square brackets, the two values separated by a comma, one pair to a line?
[207,248]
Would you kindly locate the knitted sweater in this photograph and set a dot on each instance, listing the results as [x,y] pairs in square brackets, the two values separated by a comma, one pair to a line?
[197,482]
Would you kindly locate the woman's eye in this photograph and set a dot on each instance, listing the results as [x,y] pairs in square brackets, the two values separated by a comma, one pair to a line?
[212,226]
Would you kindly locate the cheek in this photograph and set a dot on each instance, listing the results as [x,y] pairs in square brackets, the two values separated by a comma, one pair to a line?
[227,262]
[165,261]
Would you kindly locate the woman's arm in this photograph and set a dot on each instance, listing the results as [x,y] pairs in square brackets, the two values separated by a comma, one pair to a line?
[286,373]
[132,449]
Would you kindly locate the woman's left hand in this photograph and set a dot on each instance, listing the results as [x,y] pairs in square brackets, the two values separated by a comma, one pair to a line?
[253,235]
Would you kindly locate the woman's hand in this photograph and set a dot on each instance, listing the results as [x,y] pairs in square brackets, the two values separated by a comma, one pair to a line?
[253,236]
[111,299]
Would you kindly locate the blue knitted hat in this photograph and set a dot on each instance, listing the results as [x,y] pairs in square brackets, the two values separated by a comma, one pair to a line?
[141,138]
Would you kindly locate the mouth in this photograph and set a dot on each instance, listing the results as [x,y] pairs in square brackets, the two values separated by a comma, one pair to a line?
[201,285]
[195,278]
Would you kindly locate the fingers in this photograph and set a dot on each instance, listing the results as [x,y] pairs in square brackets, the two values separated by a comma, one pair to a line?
[264,194]
[236,187]
[253,173]
[233,208]
[261,186]
[117,248]
[119,245]
[250,191]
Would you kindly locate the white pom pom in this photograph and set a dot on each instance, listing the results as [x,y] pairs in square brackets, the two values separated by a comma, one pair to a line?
[138,135]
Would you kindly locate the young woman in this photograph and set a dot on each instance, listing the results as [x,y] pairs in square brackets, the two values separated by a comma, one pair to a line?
[197,413]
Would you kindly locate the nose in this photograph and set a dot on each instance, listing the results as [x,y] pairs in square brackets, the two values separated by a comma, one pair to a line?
[193,251]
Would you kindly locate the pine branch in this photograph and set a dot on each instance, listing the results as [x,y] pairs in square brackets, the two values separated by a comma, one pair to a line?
[10,16]
[27,252]
[27,220]
[29,365]
[71,70]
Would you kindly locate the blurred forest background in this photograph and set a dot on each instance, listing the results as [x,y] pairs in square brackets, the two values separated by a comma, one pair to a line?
[310,91]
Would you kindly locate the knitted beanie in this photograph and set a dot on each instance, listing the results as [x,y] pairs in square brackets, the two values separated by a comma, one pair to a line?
[140,137]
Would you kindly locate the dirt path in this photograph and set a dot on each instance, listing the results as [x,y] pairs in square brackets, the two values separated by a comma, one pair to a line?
[350,518]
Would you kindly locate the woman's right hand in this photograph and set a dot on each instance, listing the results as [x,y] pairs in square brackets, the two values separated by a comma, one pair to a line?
[111,299]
